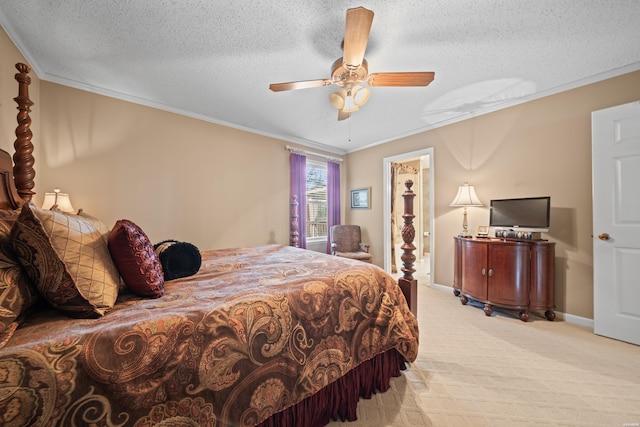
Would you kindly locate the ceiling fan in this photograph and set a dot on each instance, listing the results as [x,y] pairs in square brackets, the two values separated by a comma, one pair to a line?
[352,69]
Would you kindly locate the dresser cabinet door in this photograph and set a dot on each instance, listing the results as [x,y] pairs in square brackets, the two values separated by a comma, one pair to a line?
[508,275]
[474,269]
[542,276]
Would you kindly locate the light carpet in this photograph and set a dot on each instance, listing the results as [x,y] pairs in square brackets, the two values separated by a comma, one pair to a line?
[474,370]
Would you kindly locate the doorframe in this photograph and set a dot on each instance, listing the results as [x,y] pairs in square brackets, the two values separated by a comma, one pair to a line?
[386,196]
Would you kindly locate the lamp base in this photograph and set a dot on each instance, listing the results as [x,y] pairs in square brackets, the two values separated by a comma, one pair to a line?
[465,227]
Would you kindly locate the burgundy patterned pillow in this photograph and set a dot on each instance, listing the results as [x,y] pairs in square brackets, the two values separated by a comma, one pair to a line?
[133,254]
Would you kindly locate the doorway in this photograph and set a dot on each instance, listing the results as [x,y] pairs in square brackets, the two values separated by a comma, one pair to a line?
[417,166]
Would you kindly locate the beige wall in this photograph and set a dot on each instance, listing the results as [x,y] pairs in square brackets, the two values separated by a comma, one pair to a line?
[175,176]
[538,148]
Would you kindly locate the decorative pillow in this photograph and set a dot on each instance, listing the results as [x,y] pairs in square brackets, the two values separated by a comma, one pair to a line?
[97,224]
[136,260]
[68,261]
[16,295]
[178,259]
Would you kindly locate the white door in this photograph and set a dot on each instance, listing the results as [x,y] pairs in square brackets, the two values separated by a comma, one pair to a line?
[616,221]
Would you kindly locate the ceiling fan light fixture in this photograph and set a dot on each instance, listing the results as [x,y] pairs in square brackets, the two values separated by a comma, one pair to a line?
[350,104]
[349,99]
[360,95]
[338,98]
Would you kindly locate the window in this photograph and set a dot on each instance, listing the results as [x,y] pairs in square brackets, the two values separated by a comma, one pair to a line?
[316,200]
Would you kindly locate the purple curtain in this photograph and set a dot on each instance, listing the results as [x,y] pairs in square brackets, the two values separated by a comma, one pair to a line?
[298,187]
[333,199]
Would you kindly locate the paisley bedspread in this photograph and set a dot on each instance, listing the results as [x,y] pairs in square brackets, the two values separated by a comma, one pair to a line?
[255,331]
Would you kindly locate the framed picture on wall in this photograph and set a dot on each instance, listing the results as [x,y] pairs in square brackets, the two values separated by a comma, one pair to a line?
[360,198]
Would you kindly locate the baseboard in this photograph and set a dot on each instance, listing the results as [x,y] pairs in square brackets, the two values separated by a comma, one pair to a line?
[575,320]
[443,287]
[569,318]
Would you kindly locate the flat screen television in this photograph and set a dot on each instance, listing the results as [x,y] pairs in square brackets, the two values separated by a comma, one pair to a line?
[526,214]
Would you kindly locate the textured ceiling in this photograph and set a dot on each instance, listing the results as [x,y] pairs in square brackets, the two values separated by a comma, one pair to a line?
[214,61]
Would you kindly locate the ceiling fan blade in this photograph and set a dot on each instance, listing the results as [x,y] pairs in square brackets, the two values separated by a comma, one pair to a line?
[356,36]
[279,87]
[343,115]
[401,79]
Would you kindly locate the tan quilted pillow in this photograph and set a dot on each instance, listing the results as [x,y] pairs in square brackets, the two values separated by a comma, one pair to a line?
[67,259]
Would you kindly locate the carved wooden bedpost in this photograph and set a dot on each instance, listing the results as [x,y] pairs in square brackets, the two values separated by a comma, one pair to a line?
[407,283]
[23,172]
[294,222]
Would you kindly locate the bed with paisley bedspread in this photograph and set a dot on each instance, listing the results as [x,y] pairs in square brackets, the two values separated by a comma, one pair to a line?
[271,335]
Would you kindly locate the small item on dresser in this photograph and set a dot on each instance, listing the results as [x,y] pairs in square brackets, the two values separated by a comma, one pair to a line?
[178,259]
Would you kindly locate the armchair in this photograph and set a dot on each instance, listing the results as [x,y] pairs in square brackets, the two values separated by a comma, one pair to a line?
[346,242]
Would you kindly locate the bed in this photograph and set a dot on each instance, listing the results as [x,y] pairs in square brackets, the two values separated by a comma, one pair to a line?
[270,336]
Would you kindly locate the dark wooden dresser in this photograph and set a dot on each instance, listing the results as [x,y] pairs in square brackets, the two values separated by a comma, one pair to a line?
[509,273]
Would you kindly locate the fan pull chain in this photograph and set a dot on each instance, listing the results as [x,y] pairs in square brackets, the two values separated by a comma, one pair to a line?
[349,131]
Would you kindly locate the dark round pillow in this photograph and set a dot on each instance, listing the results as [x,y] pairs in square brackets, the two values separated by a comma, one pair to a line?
[178,259]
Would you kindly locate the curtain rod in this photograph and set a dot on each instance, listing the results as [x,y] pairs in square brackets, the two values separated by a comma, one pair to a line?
[303,151]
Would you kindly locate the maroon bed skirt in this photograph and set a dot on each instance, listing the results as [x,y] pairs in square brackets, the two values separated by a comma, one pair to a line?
[340,398]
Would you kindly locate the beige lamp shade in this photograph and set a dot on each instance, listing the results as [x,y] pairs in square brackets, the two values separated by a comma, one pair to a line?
[61,200]
[466,197]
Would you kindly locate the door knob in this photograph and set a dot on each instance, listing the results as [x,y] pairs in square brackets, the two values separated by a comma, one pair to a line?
[603,236]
